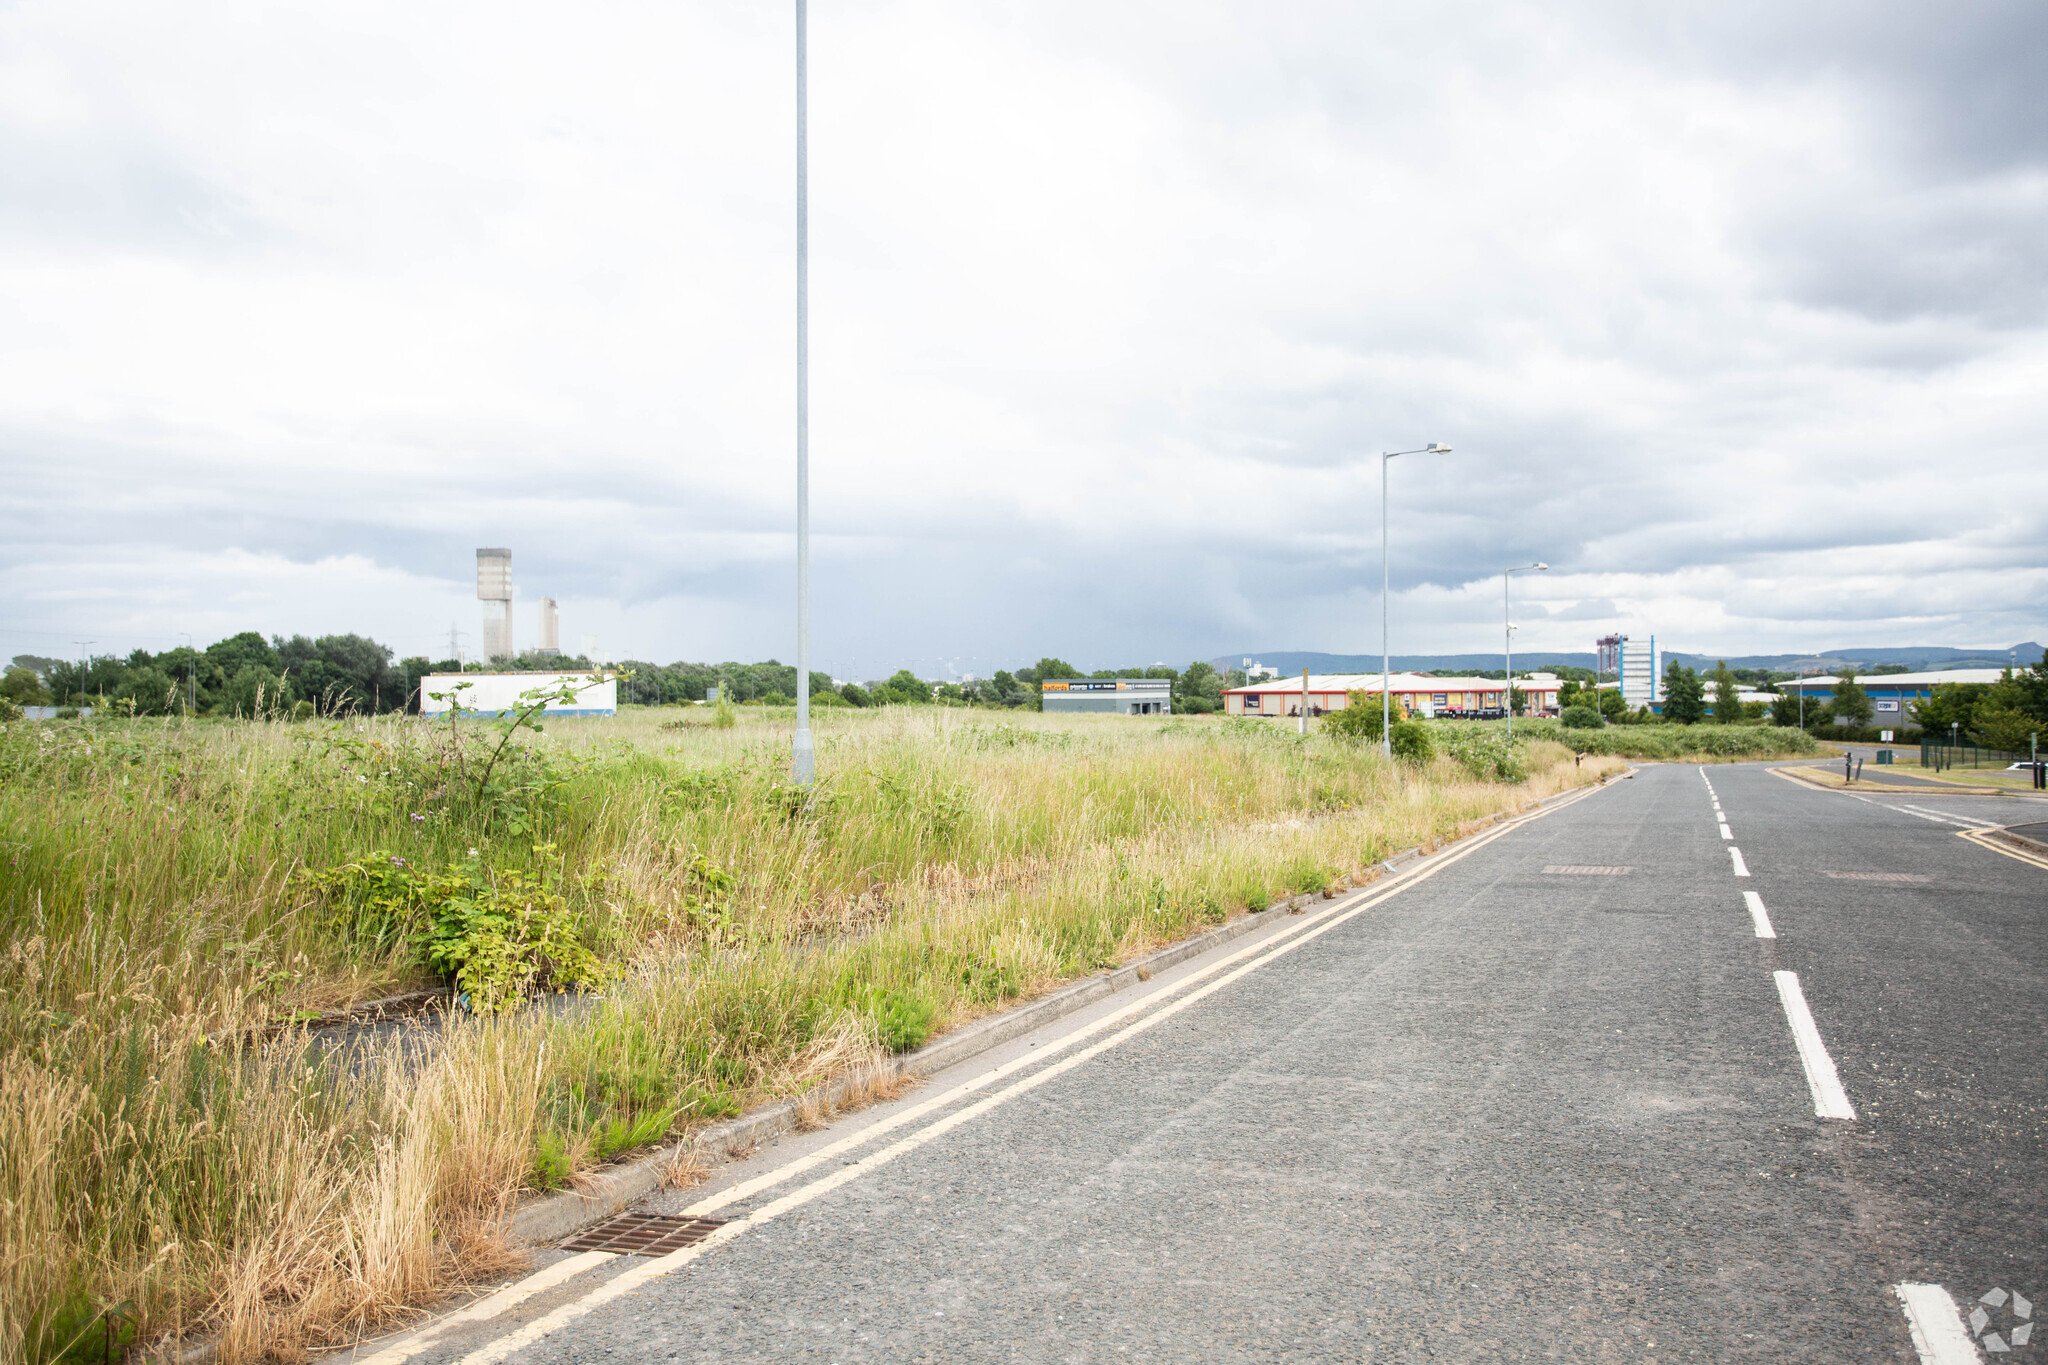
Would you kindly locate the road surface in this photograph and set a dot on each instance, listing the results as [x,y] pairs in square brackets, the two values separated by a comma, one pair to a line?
[1548,1099]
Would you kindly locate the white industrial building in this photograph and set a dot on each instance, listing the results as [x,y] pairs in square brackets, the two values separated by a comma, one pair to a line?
[550,628]
[498,694]
[1635,663]
[494,590]
[1115,696]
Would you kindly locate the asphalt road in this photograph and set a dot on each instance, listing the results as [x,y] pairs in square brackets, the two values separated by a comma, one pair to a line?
[1512,1112]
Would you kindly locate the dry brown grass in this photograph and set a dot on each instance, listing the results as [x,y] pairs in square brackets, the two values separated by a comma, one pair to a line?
[286,1201]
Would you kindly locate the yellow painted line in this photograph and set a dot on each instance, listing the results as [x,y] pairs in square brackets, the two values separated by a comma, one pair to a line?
[1982,838]
[1821,780]
[632,1280]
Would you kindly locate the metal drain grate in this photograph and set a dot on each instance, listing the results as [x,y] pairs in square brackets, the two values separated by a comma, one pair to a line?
[1879,877]
[643,1234]
[1582,870]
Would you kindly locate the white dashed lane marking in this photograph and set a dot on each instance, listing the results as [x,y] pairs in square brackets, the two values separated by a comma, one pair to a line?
[1758,915]
[1830,1101]
[1938,1332]
[1741,868]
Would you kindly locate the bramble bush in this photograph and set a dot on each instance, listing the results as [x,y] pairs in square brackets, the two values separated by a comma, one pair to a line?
[498,936]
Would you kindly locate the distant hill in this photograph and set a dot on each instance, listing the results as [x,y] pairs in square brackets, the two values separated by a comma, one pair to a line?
[1917,657]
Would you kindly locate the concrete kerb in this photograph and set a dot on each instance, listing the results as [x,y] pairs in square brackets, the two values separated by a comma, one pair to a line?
[554,1217]
[2021,841]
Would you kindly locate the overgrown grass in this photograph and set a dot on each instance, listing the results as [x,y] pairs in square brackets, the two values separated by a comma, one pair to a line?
[167,891]
[1681,741]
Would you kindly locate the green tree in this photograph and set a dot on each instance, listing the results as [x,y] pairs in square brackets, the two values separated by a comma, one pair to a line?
[255,690]
[2032,684]
[1005,690]
[1851,704]
[2007,728]
[2002,719]
[1785,710]
[1950,706]
[904,688]
[146,691]
[1727,706]
[1198,690]
[1684,698]
[22,687]
[856,695]
[232,655]
[1047,669]
[79,683]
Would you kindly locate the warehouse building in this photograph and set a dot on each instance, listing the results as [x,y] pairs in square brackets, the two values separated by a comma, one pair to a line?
[497,694]
[1415,693]
[1115,696]
[1891,694]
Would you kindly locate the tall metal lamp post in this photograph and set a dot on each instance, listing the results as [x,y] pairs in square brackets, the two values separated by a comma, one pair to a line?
[803,757]
[1386,658]
[1508,636]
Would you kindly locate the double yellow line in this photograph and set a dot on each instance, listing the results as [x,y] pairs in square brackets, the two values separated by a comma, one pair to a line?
[1983,839]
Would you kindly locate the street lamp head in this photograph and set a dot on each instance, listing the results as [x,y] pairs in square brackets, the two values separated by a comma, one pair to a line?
[1540,565]
[1437,448]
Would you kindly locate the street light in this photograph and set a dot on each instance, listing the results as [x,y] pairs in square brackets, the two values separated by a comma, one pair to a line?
[803,756]
[1386,658]
[84,667]
[1508,636]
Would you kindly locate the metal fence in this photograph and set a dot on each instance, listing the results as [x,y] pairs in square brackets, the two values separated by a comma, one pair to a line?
[1940,756]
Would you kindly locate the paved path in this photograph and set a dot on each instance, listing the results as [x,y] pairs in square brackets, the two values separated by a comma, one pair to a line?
[1524,1109]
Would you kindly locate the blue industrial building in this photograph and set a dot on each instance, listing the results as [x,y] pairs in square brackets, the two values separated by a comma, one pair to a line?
[1891,694]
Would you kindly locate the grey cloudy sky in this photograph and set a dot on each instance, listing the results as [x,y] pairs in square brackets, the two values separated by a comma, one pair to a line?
[1737,314]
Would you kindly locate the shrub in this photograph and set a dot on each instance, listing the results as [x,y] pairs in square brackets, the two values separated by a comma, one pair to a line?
[498,936]
[302,710]
[1488,754]
[1357,722]
[1412,742]
[1581,718]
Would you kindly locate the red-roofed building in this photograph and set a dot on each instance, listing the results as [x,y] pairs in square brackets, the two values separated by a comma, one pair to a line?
[1418,695]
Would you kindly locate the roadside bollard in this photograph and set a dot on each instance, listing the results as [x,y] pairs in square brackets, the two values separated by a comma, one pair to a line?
[1846,775]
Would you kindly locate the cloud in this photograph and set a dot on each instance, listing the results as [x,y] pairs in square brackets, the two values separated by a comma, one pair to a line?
[1720,307]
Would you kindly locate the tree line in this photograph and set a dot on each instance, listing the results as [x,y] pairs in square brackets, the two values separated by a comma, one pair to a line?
[246,675]
[2006,714]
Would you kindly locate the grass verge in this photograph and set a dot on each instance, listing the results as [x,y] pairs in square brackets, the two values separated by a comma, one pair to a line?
[171,891]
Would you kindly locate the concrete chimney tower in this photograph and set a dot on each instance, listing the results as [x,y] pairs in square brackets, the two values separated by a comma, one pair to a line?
[550,628]
[494,590]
